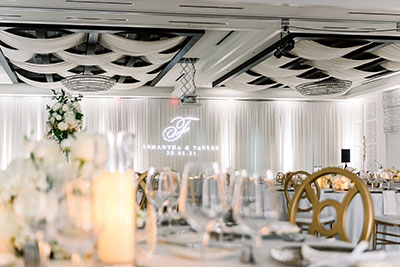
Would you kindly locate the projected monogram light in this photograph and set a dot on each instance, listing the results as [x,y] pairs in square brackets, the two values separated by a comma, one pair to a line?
[180,125]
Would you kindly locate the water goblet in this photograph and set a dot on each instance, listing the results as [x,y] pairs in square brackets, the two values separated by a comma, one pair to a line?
[159,189]
[255,207]
[202,199]
[74,226]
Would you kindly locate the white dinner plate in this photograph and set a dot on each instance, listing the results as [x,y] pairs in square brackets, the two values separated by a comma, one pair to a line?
[207,254]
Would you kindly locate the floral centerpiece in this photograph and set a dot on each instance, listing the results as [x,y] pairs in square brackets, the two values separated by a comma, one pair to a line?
[45,157]
[65,116]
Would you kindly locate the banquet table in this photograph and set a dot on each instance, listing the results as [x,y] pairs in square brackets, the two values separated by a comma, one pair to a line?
[355,213]
[166,255]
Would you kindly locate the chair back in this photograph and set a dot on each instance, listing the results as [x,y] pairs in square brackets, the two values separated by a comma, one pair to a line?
[338,227]
[293,180]
[141,189]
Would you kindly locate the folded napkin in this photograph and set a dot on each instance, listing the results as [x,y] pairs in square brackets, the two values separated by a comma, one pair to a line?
[318,258]
[389,203]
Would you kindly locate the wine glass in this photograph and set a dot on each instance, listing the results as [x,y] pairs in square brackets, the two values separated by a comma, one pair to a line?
[172,205]
[73,226]
[371,179]
[202,199]
[34,205]
[159,189]
[255,207]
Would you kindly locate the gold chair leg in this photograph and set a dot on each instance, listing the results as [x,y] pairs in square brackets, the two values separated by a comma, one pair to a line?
[374,236]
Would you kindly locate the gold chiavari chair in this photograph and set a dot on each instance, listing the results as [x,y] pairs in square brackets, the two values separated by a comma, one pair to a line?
[141,187]
[381,237]
[304,217]
[338,228]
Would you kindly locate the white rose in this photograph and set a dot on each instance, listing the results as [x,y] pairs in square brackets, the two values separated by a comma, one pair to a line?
[56,106]
[77,106]
[70,114]
[65,107]
[58,117]
[63,126]
[52,120]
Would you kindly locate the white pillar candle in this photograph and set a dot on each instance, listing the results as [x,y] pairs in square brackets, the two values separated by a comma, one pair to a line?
[115,216]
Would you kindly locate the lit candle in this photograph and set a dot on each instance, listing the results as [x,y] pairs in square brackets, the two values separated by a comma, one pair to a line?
[115,216]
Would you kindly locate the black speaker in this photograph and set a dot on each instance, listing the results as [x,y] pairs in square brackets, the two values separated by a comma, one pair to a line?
[345,155]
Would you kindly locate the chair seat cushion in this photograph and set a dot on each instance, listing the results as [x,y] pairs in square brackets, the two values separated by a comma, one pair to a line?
[388,219]
[307,218]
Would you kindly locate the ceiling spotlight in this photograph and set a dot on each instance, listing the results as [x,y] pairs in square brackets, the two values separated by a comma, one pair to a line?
[284,48]
[285,44]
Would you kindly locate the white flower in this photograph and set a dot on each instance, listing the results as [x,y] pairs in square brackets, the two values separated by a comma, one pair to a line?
[67,142]
[56,106]
[77,106]
[65,107]
[48,153]
[70,114]
[8,222]
[52,120]
[63,126]
[72,123]
[67,94]
[87,170]
[83,148]
[58,117]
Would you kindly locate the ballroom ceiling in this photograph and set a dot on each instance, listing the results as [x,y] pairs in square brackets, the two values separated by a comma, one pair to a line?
[142,44]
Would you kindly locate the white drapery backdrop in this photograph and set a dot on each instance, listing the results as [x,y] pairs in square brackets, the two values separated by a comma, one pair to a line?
[256,135]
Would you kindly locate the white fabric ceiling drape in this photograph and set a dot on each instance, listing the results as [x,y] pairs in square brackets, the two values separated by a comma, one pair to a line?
[312,50]
[254,135]
[16,55]
[235,85]
[269,71]
[42,46]
[137,48]
[340,63]
[59,67]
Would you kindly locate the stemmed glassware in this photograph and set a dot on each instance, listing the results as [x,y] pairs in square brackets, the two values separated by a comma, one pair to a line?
[73,226]
[203,198]
[172,205]
[159,189]
[255,207]
[371,179]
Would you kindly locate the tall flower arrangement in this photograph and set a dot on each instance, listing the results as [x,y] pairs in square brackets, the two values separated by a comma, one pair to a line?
[65,116]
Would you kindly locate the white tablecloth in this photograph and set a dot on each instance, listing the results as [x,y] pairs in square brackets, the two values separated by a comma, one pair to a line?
[355,213]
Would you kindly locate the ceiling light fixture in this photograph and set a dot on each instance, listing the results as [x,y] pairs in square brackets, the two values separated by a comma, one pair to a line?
[327,87]
[285,46]
[88,83]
